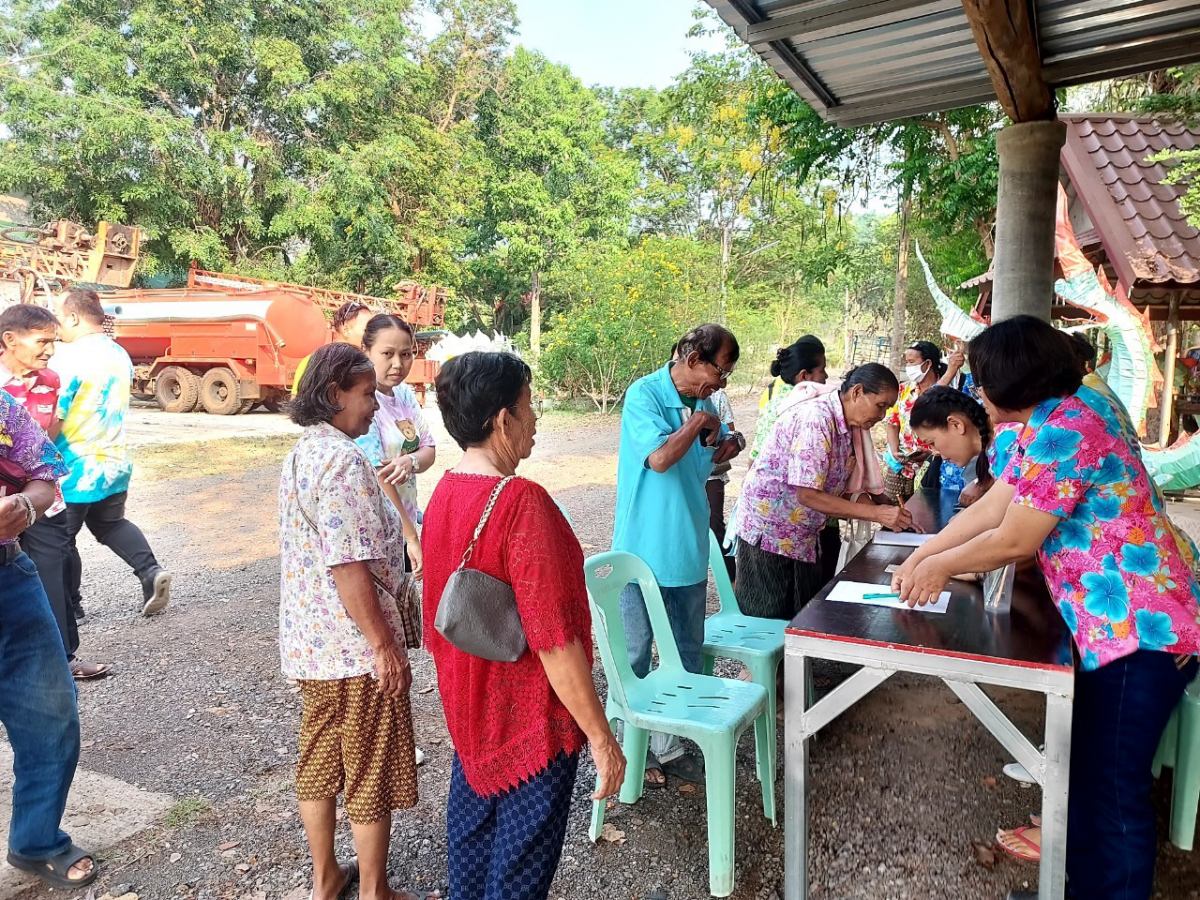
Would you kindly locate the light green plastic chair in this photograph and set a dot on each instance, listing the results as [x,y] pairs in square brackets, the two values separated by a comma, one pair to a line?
[712,712]
[1180,750]
[756,643]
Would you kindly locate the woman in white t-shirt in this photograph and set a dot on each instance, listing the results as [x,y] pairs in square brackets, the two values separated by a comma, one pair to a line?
[399,443]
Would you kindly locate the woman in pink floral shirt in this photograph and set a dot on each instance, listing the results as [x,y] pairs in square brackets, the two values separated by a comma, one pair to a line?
[1077,494]
[796,482]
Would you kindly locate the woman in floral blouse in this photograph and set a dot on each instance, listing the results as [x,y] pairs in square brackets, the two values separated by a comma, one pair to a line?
[1076,493]
[343,634]
[923,368]
[798,480]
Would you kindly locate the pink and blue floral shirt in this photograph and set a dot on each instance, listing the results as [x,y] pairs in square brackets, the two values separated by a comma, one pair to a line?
[1119,571]
[810,446]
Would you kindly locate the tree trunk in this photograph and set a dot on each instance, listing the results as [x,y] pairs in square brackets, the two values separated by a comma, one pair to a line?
[725,241]
[535,316]
[898,311]
[984,227]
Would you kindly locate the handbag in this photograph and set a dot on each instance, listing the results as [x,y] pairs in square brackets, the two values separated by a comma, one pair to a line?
[478,613]
[406,599]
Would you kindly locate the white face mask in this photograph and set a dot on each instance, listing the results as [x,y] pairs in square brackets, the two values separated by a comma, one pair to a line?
[915,373]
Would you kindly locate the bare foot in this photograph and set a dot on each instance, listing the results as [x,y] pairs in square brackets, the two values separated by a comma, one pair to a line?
[81,869]
[655,775]
[348,871]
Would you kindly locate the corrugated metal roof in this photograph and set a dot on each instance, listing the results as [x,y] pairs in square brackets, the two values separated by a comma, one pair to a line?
[1136,214]
[859,61]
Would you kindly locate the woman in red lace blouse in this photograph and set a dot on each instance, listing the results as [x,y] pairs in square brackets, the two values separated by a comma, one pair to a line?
[518,728]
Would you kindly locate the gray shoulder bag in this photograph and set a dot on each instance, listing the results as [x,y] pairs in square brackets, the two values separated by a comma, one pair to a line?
[478,613]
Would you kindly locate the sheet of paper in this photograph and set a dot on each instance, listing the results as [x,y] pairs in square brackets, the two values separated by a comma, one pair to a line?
[900,538]
[855,591]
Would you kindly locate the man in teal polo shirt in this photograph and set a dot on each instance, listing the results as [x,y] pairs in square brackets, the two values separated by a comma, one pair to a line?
[670,440]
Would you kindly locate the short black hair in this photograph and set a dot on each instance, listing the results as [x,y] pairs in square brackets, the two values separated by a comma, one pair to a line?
[875,378]
[473,388]
[339,364]
[802,356]
[930,352]
[381,323]
[934,408]
[1084,350]
[1020,362]
[707,340]
[85,303]
[347,313]
[22,318]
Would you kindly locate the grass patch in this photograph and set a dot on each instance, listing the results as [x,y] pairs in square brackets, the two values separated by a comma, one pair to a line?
[201,459]
[187,811]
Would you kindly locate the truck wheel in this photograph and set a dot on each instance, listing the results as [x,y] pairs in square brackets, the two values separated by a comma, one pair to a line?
[176,390]
[221,392]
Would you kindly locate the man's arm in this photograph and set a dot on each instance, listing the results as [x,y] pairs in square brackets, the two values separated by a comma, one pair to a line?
[679,442]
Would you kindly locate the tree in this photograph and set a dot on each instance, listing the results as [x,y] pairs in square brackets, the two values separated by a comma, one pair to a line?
[551,182]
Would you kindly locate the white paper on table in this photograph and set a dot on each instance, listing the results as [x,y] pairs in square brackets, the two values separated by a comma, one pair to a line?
[853,592]
[900,538]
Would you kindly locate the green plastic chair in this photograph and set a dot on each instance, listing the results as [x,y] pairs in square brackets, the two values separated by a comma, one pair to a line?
[754,642]
[712,712]
[1180,750]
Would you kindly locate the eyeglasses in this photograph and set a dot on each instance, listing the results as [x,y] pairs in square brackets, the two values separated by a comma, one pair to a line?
[725,374]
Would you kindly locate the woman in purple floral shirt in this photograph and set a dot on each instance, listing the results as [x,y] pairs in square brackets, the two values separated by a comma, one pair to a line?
[1076,493]
[797,481]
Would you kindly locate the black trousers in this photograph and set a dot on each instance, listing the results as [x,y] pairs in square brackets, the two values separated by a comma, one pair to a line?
[715,489]
[106,521]
[45,542]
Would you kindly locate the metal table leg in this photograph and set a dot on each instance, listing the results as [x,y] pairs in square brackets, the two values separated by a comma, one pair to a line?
[797,670]
[1052,878]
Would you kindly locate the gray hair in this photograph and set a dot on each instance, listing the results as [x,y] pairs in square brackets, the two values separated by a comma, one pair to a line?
[333,364]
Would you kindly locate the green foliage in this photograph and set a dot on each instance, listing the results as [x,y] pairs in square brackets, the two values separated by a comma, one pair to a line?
[622,309]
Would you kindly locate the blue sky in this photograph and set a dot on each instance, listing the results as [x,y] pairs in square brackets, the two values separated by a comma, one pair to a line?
[615,43]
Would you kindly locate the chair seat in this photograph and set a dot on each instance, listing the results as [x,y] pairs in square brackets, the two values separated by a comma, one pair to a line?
[735,636]
[686,704]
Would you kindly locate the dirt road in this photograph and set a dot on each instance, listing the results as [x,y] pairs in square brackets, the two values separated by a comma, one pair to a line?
[197,710]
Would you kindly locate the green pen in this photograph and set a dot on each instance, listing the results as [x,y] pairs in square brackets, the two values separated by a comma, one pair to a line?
[881,596]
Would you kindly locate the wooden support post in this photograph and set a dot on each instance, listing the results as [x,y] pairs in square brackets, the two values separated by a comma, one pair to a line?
[1007,42]
[1167,406]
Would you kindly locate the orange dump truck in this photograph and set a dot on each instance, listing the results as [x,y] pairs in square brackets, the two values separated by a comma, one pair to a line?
[225,343]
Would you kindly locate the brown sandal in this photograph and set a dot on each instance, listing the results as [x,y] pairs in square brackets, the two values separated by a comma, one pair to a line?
[82,670]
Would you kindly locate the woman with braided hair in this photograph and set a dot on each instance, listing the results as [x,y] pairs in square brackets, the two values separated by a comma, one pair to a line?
[958,429]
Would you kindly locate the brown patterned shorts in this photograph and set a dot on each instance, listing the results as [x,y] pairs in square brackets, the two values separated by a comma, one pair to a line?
[355,738]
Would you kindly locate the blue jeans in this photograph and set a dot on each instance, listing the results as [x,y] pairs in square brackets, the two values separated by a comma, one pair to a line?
[685,611]
[38,709]
[507,846]
[1120,713]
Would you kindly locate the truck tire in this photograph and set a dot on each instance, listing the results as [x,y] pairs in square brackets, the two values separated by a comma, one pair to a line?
[221,392]
[176,390]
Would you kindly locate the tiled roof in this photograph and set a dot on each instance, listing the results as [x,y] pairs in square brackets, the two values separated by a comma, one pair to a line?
[1136,214]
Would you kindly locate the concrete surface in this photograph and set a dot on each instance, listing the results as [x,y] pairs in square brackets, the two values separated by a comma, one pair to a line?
[101,812]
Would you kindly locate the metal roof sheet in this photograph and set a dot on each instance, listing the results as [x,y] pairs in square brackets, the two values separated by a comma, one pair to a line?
[861,61]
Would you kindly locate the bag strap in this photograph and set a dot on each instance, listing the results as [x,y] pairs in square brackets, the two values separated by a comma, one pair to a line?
[487,512]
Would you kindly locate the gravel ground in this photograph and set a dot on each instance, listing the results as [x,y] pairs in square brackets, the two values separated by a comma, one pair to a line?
[197,709]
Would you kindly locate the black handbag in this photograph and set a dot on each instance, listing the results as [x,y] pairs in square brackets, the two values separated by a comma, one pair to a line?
[478,613]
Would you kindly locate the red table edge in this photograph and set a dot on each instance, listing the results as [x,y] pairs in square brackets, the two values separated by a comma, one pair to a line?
[903,648]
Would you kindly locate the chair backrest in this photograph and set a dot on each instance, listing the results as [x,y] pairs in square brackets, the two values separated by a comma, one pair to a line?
[562,509]
[716,564]
[606,575]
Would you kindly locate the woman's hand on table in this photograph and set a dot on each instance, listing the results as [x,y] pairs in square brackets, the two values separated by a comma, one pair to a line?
[396,471]
[923,584]
[610,767]
[395,675]
[896,518]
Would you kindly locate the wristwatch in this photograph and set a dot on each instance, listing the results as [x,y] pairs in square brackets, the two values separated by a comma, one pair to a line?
[416,463]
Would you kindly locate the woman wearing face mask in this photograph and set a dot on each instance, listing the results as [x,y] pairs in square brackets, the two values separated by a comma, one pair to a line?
[399,443]
[906,452]
[799,480]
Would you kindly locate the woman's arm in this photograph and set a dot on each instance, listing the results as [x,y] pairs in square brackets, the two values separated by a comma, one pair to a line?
[893,441]
[412,540]
[356,589]
[1018,537]
[571,677]
[400,469]
[55,428]
[895,517]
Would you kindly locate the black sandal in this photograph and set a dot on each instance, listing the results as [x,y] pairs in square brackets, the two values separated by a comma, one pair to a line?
[56,870]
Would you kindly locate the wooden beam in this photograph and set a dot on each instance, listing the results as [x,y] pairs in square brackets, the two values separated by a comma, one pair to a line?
[1004,33]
